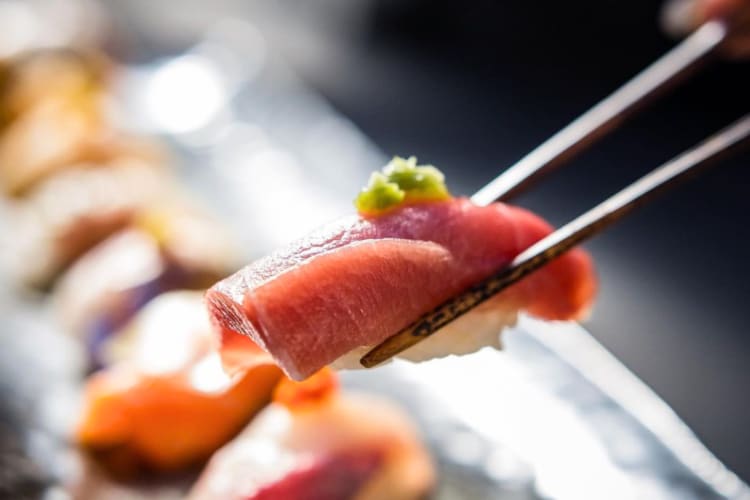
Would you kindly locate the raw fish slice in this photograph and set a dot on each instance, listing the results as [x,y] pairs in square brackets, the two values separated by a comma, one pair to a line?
[166,404]
[316,443]
[360,280]
[333,477]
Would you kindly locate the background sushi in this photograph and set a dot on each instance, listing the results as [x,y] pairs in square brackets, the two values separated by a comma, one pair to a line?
[315,442]
[164,403]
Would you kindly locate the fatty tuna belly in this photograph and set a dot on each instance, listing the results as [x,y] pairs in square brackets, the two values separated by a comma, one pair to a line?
[352,284]
[563,289]
[359,295]
[486,238]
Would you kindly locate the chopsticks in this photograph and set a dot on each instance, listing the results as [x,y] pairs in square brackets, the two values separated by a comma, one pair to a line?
[605,116]
[575,137]
[583,227]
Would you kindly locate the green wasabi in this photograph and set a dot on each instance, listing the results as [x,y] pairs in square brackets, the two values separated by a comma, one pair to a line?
[401,181]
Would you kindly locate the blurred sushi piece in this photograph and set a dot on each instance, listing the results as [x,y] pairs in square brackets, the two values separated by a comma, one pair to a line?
[166,404]
[317,443]
[69,213]
[72,176]
[167,247]
[55,113]
[46,75]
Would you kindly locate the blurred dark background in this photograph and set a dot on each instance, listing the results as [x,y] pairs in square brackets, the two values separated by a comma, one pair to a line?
[472,86]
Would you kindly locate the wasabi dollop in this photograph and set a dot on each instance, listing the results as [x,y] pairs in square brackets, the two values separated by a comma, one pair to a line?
[402,181]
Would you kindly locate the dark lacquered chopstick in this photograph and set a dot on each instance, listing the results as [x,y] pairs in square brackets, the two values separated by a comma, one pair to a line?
[607,114]
[565,238]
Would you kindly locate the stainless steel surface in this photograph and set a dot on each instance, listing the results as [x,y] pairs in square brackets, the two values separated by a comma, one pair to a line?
[577,423]
[606,115]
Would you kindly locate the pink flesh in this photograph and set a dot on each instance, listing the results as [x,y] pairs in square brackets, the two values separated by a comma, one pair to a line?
[334,477]
[360,280]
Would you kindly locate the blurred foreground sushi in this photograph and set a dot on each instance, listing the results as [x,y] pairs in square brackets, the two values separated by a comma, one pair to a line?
[316,443]
[166,404]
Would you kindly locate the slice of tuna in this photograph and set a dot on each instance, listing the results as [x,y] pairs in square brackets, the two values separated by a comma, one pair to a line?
[358,281]
[335,477]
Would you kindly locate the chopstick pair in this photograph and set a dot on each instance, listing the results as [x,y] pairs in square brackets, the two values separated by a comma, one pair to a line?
[575,137]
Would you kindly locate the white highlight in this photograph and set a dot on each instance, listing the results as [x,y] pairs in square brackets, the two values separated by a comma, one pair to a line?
[184,95]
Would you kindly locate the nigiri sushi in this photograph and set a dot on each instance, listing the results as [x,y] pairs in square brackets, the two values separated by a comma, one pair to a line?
[174,246]
[318,444]
[53,115]
[67,214]
[326,298]
[165,403]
